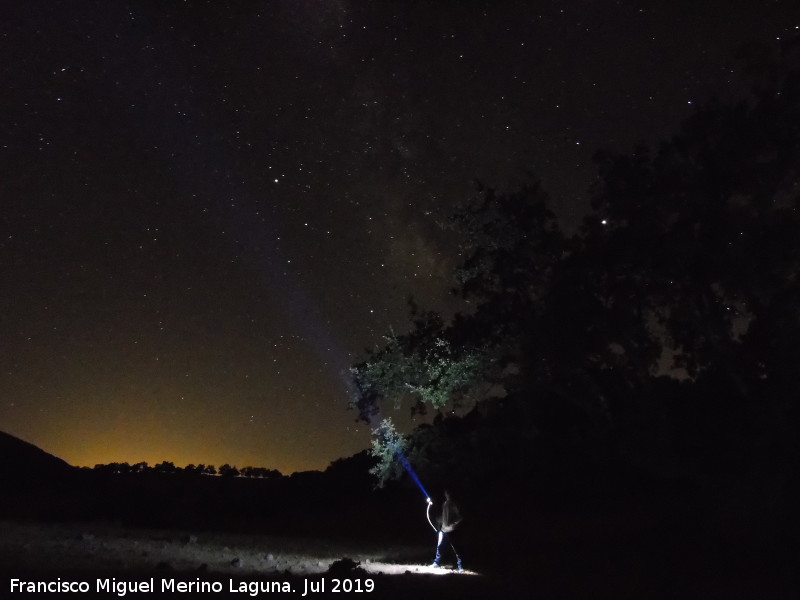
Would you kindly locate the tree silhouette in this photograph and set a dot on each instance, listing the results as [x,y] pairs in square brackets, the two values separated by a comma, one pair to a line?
[227,470]
[691,252]
[165,467]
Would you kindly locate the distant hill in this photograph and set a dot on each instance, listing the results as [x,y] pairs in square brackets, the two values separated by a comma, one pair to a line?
[25,463]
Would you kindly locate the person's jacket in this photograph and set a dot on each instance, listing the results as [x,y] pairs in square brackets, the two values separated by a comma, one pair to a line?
[450,516]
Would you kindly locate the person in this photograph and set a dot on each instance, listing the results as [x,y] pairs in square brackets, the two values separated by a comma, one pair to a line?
[450,519]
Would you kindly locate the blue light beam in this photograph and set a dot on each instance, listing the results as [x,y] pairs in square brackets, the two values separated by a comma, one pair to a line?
[407,466]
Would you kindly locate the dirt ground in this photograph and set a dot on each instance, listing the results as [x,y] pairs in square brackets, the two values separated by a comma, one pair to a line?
[36,551]
[102,546]
[573,568]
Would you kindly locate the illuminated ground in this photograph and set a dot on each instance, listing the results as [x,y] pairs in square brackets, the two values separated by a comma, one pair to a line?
[400,568]
[95,547]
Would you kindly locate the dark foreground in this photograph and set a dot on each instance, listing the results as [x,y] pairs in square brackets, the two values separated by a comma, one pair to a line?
[331,535]
[107,560]
[565,560]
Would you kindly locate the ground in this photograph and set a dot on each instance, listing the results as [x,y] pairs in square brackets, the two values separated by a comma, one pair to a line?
[85,551]
[575,561]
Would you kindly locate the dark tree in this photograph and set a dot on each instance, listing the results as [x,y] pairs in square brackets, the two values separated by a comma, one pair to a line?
[227,470]
[165,467]
[686,267]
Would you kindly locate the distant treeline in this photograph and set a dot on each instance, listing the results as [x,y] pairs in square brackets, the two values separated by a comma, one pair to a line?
[225,470]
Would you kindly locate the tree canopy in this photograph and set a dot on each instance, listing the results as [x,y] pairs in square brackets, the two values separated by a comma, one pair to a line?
[686,268]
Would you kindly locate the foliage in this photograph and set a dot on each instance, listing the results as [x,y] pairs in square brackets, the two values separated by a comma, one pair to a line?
[687,265]
[190,469]
[227,470]
[425,365]
[387,445]
[165,467]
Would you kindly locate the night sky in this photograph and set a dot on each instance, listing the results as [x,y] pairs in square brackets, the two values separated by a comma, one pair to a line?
[209,210]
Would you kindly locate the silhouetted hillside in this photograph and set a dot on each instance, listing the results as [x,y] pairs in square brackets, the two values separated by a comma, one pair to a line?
[25,464]
[35,484]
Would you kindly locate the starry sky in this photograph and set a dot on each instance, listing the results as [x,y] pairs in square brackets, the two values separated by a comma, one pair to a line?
[210,209]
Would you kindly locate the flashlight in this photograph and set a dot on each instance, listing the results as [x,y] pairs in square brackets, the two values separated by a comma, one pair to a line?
[429,500]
